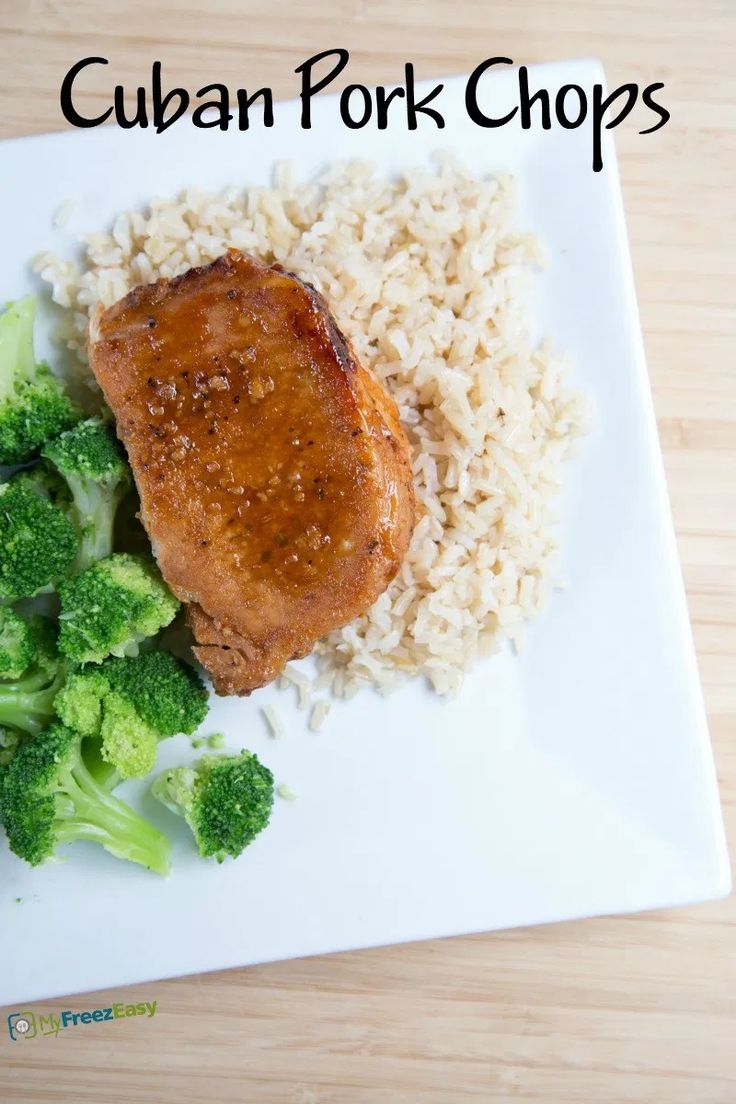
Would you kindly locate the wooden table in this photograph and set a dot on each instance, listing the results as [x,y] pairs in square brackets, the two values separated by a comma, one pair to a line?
[640,1009]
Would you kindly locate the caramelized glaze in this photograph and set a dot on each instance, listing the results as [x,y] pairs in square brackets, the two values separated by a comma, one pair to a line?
[274,475]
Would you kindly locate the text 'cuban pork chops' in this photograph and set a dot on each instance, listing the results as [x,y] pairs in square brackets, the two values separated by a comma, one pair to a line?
[274,475]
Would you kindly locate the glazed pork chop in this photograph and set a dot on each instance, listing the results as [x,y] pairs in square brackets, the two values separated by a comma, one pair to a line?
[274,475]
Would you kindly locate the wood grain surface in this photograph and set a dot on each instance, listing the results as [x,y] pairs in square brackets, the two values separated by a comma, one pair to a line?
[639,1009]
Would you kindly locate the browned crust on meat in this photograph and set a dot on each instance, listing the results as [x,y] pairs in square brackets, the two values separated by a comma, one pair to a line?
[255,604]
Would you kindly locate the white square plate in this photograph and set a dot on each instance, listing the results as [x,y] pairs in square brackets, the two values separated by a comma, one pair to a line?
[574,780]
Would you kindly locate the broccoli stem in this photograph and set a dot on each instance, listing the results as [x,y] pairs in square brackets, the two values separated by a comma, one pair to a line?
[102,818]
[28,703]
[95,510]
[95,546]
[16,344]
[102,772]
[29,709]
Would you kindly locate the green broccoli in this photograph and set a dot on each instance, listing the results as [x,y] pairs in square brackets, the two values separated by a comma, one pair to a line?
[10,741]
[37,540]
[91,462]
[78,703]
[48,797]
[169,695]
[225,799]
[127,743]
[111,607]
[33,405]
[27,702]
[126,706]
[121,744]
[17,645]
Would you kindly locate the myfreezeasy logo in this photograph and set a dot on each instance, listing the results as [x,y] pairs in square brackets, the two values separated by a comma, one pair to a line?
[27,1025]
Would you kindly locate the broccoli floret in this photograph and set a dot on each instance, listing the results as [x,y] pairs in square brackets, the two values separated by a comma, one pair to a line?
[91,462]
[79,702]
[126,741]
[225,799]
[48,797]
[111,607]
[46,482]
[37,540]
[122,744]
[33,405]
[126,706]
[27,703]
[17,646]
[168,693]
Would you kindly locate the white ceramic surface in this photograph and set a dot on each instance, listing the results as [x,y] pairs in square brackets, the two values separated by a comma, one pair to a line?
[574,780]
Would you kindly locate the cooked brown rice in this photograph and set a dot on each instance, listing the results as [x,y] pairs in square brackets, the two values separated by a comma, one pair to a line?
[426,275]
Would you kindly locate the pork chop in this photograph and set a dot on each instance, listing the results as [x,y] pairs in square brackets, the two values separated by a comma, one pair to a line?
[274,475]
